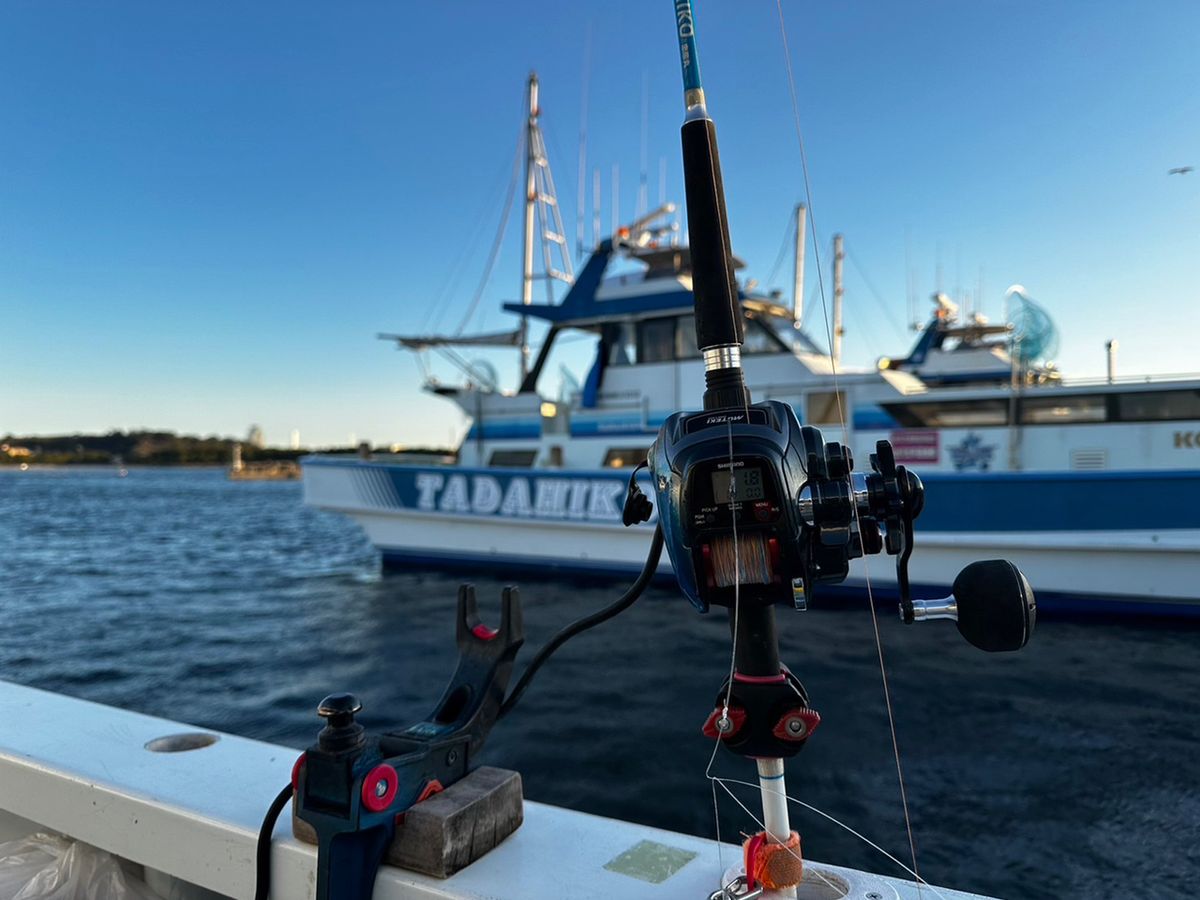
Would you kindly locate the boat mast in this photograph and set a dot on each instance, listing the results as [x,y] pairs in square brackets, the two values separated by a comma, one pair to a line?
[798,265]
[839,254]
[530,201]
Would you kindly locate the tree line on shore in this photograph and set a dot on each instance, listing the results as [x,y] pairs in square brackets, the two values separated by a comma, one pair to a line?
[150,448]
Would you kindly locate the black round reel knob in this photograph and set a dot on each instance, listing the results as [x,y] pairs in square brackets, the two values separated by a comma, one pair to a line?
[996,606]
[992,604]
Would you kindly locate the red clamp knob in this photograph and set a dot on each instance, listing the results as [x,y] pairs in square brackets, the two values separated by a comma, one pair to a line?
[379,788]
[737,718]
[796,724]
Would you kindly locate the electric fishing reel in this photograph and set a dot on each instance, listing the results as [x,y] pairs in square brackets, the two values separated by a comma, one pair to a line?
[755,506]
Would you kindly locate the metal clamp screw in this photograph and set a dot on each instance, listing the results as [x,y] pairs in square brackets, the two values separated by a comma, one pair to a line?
[737,890]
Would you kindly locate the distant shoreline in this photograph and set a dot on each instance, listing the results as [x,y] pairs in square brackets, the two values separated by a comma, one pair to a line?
[166,449]
[107,467]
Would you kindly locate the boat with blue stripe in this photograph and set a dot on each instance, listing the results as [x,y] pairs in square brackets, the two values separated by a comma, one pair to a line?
[1091,487]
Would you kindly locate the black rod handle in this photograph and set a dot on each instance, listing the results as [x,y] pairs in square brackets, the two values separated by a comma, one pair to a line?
[718,322]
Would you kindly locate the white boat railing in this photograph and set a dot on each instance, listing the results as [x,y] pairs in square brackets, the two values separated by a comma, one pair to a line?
[191,817]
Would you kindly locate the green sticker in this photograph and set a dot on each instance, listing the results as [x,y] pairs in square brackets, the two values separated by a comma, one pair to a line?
[650,862]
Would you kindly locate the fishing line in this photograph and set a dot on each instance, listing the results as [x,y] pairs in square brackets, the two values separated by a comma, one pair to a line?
[787,55]
[725,782]
[737,596]
[789,850]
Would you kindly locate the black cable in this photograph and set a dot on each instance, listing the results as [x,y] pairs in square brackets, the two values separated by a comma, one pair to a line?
[262,880]
[626,600]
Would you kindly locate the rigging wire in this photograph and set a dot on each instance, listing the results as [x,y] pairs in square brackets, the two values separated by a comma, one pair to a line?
[436,309]
[783,247]
[912,844]
[887,312]
[494,253]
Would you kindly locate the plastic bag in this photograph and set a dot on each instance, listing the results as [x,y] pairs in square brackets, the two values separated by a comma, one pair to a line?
[49,867]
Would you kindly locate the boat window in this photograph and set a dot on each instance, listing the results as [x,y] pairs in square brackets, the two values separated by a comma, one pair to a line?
[789,335]
[825,408]
[759,338]
[1062,410]
[1156,406]
[624,457]
[513,459]
[656,340]
[952,414]
[685,338]
[622,345]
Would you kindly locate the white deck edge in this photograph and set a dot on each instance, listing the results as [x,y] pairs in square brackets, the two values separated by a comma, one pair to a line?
[81,769]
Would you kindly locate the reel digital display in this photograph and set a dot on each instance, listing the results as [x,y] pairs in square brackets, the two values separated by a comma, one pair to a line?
[737,483]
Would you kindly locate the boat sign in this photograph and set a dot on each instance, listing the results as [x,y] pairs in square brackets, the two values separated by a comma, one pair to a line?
[595,497]
[915,446]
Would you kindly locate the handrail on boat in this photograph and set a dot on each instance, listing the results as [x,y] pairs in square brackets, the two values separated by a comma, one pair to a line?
[1058,384]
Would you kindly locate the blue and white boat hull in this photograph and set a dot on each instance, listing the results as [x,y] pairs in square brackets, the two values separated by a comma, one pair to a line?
[1088,542]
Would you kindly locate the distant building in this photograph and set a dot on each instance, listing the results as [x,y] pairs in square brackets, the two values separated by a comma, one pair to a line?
[12,450]
[255,437]
[295,438]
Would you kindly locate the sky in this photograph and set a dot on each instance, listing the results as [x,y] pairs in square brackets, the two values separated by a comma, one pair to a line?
[207,211]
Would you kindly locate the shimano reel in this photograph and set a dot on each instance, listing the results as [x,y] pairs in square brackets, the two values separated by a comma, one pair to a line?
[755,504]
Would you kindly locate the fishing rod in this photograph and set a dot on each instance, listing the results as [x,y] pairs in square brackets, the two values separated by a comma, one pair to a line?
[757,510]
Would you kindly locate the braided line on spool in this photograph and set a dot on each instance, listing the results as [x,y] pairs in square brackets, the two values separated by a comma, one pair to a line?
[745,562]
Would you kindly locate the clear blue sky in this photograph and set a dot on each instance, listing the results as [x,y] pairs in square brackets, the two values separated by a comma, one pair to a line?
[207,210]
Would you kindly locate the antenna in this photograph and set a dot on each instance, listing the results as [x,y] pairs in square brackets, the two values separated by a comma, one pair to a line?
[643,200]
[910,282]
[596,207]
[581,204]
[839,254]
[616,197]
[798,265]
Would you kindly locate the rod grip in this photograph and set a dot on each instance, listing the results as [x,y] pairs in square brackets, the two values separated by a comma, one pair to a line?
[718,312]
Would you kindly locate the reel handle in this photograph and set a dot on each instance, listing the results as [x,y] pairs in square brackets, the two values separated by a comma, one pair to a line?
[992,604]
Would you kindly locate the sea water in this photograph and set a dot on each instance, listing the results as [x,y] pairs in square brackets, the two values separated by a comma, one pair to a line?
[1068,770]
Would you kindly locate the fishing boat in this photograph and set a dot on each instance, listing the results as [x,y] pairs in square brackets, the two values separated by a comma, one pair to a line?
[1091,486]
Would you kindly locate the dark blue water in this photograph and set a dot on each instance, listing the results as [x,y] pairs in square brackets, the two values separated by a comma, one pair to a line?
[1071,769]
